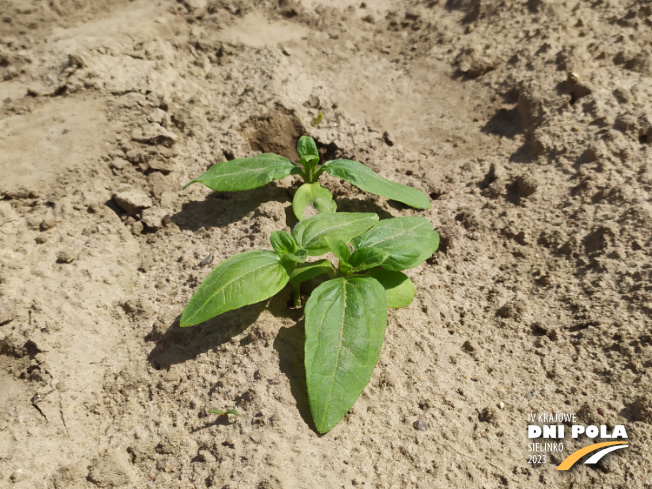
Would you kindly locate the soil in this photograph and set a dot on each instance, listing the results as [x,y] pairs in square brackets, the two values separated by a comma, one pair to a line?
[529,124]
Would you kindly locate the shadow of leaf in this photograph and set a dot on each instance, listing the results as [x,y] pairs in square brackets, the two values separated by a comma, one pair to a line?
[223,208]
[289,345]
[181,344]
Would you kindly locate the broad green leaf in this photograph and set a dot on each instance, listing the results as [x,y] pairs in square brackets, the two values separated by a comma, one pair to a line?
[310,234]
[283,242]
[339,248]
[240,280]
[311,270]
[298,256]
[345,328]
[246,173]
[395,244]
[366,179]
[307,147]
[315,196]
[398,287]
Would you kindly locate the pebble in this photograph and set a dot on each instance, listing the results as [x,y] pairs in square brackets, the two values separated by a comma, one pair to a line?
[470,346]
[137,228]
[66,256]
[7,311]
[132,201]
[420,425]
[153,218]
[488,415]
[153,134]
[526,185]
[48,222]
[18,476]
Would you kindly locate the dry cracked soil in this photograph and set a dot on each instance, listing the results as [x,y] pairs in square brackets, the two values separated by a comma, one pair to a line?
[529,125]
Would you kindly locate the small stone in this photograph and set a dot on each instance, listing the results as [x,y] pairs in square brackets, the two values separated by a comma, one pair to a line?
[642,409]
[313,102]
[526,185]
[420,425]
[7,311]
[7,213]
[18,476]
[66,256]
[137,155]
[501,405]
[137,228]
[132,201]
[162,164]
[118,163]
[228,443]
[488,415]
[157,116]
[153,134]
[153,218]
[48,222]
[470,346]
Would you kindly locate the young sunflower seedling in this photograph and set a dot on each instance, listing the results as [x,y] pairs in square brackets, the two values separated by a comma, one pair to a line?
[250,173]
[346,315]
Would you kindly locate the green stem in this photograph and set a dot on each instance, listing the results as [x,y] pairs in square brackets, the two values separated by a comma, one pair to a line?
[296,294]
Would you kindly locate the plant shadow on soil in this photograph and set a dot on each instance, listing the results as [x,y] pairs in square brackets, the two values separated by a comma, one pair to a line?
[220,209]
[177,344]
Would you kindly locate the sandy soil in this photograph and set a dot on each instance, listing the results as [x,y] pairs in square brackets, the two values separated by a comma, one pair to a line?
[527,122]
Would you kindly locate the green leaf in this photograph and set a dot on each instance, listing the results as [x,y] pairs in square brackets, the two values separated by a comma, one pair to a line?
[318,119]
[398,287]
[339,248]
[315,196]
[311,270]
[345,328]
[395,244]
[221,412]
[311,233]
[298,256]
[366,179]
[283,242]
[307,147]
[246,173]
[240,280]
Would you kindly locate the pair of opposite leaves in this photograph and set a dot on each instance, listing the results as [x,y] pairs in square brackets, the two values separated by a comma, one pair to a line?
[250,173]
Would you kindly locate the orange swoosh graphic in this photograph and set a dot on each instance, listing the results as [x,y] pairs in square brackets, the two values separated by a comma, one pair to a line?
[574,457]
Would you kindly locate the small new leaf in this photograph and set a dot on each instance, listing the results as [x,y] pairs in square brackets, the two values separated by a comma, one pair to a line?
[339,248]
[311,270]
[395,244]
[345,328]
[240,280]
[246,173]
[310,234]
[366,179]
[297,257]
[221,412]
[312,196]
[283,242]
[306,147]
